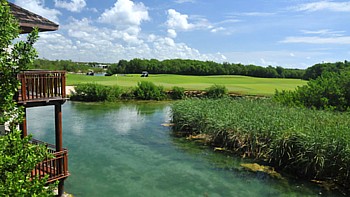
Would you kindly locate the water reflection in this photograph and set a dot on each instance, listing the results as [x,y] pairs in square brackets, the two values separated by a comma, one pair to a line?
[42,124]
[122,150]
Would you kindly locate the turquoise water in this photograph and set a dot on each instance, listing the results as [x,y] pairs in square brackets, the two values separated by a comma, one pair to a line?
[122,150]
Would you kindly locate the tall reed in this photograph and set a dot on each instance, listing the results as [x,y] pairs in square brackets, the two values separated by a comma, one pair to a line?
[308,143]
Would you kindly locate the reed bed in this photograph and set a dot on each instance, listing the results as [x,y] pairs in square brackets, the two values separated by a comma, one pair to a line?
[307,143]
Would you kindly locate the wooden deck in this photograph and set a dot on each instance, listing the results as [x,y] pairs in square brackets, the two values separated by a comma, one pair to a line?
[56,168]
[41,87]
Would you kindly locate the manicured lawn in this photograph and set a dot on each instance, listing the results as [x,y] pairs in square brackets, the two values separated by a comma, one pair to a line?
[234,83]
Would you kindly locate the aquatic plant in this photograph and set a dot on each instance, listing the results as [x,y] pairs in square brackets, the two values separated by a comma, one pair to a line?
[311,144]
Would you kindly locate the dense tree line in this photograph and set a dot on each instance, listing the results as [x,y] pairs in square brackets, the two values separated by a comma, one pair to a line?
[196,67]
[193,67]
[318,69]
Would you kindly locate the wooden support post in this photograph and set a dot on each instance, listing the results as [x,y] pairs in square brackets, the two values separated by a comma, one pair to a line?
[58,126]
[23,126]
[59,147]
[60,188]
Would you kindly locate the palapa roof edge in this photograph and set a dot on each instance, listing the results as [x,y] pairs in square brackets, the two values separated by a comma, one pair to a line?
[28,20]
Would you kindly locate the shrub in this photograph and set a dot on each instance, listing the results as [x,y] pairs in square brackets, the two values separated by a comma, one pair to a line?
[177,93]
[146,90]
[216,91]
[330,91]
[92,92]
[18,157]
[114,93]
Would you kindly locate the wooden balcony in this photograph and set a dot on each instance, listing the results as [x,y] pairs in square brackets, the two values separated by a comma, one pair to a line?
[56,168]
[40,87]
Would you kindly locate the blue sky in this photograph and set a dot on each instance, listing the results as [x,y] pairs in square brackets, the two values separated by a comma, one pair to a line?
[287,33]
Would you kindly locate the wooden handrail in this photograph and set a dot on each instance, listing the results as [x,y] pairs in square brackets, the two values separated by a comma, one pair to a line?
[41,85]
[56,168]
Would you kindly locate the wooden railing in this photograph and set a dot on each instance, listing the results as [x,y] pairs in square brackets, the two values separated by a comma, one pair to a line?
[56,168]
[38,85]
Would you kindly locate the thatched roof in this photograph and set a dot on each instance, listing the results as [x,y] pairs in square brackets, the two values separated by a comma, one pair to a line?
[28,20]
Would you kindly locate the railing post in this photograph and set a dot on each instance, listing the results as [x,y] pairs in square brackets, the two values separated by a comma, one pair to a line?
[23,126]
[63,76]
[23,86]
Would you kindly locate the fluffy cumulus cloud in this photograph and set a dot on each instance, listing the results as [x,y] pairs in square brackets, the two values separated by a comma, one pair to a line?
[81,40]
[89,39]
[38,7]
[125,13]
[324,5]
[178,21]
[73,6]
[172,33]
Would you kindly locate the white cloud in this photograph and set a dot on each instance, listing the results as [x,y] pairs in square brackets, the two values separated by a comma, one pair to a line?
[125,13]
[73,6]
[179,21]
[80,40]
[184,1]
[301,59]
[218,29]
[324,32]
[322,36]
[324,5]
[83,40]
[317,40]
[166,48]
[229,21]
[38,7]
[172,33]
[258,14]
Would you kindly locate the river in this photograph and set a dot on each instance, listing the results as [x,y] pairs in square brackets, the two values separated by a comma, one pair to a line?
[123,150]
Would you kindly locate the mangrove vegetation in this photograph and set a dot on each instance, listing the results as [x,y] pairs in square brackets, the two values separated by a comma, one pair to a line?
[330,91]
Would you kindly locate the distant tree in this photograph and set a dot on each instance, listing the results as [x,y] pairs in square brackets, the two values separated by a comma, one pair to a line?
[280,71]
[197,67]
[318,69]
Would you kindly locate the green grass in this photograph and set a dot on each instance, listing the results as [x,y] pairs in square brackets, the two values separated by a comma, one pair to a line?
[234,83]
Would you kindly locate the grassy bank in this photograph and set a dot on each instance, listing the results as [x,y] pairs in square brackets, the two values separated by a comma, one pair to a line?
[306,143]
[234,84]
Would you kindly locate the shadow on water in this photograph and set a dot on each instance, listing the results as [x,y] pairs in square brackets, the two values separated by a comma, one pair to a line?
[121,149]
